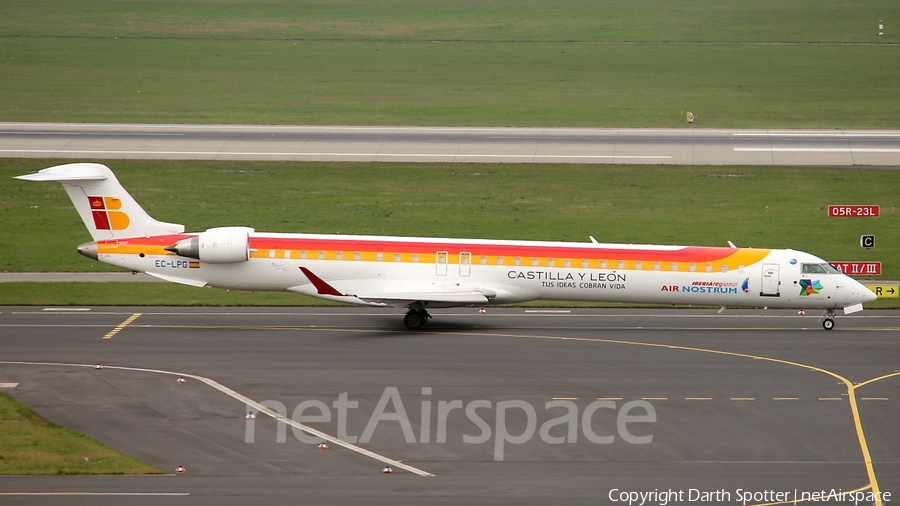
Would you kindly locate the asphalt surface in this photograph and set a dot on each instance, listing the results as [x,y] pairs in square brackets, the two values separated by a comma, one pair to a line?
[752,400]
[685,146]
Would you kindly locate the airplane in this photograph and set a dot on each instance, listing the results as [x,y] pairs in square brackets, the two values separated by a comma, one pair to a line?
[424,273]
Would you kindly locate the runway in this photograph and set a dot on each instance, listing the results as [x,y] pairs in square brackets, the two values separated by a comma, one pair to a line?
[686,146]
[756,401]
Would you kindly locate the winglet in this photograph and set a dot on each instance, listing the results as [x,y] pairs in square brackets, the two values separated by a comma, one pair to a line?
[321,286]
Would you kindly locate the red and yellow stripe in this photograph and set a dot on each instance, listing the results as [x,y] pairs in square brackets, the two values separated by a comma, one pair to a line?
[689,258]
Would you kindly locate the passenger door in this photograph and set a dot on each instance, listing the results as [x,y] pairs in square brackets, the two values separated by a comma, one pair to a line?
[770,281]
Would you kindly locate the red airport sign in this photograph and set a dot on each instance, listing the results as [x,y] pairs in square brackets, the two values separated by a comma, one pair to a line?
[858,268]
[854,211]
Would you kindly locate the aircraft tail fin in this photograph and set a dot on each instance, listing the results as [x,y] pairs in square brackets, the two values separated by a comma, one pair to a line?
[108,211]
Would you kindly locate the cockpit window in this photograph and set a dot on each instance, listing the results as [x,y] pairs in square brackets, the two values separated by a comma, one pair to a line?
[819,269]
[830,269]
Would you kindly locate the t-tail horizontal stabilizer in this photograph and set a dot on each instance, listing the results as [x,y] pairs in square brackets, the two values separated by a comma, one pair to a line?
[107,210]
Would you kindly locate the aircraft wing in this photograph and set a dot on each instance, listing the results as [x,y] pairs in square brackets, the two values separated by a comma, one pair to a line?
[175,279]
[457,298]
[448,298]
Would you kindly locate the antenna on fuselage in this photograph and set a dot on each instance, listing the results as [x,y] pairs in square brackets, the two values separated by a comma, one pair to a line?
[732,244]
[593,240]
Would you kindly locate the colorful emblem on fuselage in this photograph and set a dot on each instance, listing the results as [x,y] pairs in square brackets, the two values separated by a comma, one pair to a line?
[809,287]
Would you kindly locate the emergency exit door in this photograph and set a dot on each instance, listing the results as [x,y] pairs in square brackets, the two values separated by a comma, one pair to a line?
[465,264]
[440,263]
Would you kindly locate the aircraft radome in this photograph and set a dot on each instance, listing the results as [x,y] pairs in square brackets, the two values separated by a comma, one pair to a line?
[422,273]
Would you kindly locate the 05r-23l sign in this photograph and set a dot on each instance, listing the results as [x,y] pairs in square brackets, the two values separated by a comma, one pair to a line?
[854,211]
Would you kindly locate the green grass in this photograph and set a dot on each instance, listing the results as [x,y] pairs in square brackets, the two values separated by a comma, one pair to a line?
[517,63]
[142,294]
[779,207]
[31,445]
[464,20]
[782,207]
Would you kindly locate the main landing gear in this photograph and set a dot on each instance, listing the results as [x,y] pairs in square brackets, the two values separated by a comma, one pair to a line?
[416,318]
[827,319]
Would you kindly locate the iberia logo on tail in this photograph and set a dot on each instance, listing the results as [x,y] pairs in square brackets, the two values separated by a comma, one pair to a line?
[106,215]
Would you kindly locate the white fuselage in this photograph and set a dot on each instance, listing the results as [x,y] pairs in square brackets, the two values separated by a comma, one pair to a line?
[420,273]
[505,271]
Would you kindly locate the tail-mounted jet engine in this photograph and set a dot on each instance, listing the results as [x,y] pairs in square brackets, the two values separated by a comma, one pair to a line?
[221,245]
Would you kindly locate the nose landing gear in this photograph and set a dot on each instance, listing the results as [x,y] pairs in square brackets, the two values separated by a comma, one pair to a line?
[416,318]
[827,319]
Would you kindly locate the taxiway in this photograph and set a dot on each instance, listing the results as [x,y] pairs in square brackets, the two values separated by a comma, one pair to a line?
[746,400]
[684,146]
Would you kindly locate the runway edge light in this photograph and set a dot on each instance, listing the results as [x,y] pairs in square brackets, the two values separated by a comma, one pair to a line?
[387,470]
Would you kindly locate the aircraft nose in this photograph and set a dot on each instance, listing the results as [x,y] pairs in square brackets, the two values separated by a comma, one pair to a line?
[868,295]
[865,295]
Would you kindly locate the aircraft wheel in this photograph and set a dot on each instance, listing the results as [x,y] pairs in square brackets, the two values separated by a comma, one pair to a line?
[828,324]
[415,319]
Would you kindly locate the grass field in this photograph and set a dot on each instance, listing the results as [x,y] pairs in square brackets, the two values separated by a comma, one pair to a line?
[780,207]
[410,62]
[460,20]
[31,445]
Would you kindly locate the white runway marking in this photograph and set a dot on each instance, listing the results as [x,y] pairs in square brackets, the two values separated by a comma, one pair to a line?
[814,134]
[734,315]
[301,153]
[259,408]
[94,133]
[819,150]
[113,494]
